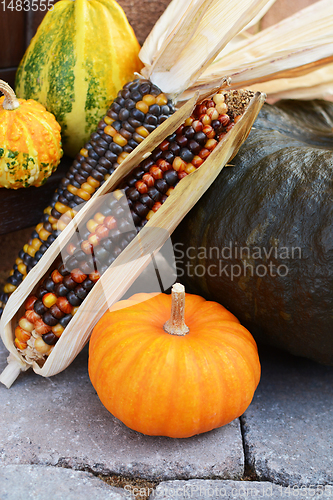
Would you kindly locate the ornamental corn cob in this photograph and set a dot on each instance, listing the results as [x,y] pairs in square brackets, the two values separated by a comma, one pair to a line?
[50,309]
[139,108]
[180,47]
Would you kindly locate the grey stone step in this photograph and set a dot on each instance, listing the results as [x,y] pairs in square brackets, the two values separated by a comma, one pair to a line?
[288,428]
[35,482]
[60,420]
[197,489]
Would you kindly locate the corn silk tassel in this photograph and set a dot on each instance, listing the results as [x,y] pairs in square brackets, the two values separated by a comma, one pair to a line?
[184,41]
[174,62]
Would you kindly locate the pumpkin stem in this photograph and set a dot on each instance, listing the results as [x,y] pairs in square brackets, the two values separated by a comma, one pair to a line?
[176,324]
[10,102]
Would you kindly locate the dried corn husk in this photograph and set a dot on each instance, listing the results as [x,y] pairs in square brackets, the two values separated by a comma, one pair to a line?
[189,35]
[130,263]
[295,47]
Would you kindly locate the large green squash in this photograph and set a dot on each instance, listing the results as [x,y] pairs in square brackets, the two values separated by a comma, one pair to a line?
[82,54]
[260,241]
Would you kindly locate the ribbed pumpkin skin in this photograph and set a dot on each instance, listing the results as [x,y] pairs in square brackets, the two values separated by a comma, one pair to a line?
[167,385]
[82,54]
[30,145]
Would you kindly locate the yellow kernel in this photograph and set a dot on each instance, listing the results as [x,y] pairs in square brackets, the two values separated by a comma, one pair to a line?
[43,234]
[211,144]
[49,299]
[178,164]
[48,210]
[83,194]
[122,157]
[149,214]
[169,191]
[189,168]
[22,268]
[142,131]
[18,261]
[41,346]
[11,272]
[161,100]
[108,120]
[206,120]
[142,106]
[93,182]
[91,225]
[59,225]
[36,243]
[86,187]
[25,248]
[110,131]
[57,329]
[189,121]
[84,152]
[218,98]
[221,108]
[75,310]
[119,139]
[52,220]
[26,325]
[60,207]
[149,99]
[72,189]
[106,176]
[31,251]
[9,288]
[99,218]
[118,194]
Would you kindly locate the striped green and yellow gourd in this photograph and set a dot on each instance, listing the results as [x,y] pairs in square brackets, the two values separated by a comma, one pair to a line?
[83,52]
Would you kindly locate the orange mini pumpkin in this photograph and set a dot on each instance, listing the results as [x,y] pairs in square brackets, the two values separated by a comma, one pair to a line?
[165,378]
[30,141]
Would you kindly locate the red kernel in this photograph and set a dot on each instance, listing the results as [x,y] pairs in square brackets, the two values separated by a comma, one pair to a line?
[29,304]
[78,276]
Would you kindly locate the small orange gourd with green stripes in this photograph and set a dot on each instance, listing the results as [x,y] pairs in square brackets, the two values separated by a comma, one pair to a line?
[30,142]
[177,377]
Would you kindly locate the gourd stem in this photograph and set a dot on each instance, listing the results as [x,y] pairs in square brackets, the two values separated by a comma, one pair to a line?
[176,323]
[10,102]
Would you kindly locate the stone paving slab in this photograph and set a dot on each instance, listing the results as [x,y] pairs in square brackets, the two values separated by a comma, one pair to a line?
[197,489]
[60,421]
[288,428]
[35,482]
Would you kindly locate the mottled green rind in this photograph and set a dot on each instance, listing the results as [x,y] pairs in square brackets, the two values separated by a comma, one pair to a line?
[278,195]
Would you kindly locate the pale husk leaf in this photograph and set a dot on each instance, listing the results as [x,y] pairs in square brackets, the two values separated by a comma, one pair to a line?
[293,47]
[130,263]
[194,41]
[315,85]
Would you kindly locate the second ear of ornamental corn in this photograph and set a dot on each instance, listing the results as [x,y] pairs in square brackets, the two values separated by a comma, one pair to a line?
[138,109]
[49,310]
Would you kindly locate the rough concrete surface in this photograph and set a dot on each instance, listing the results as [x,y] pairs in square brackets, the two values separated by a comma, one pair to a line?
[35,482]
[288,428]
[60,421]
[197,489]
